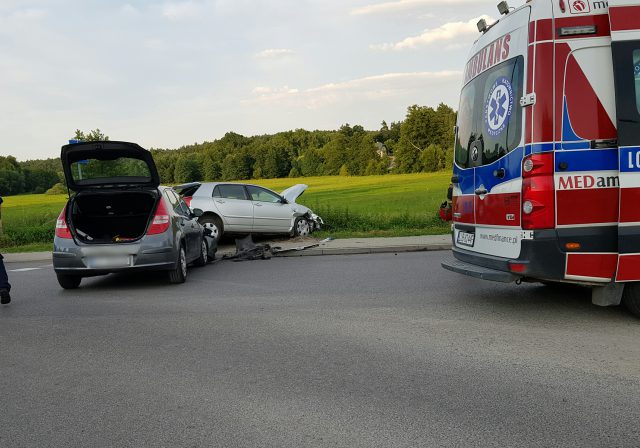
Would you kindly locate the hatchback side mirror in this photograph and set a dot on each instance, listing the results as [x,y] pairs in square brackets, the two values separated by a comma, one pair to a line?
[196,212]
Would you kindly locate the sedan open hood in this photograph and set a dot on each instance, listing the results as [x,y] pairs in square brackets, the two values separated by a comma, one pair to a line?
[108,164]
[293,193]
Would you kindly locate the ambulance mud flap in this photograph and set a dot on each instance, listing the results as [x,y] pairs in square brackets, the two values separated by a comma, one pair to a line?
[608,295]
[480,272]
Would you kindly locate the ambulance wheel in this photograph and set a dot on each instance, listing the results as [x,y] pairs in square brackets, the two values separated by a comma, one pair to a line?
[631,298]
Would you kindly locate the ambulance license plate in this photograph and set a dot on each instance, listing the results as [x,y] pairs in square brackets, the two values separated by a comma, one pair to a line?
[466,238]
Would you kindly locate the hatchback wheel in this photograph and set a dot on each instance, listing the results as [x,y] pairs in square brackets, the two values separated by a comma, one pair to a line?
[301,227]
[69,281]
[179,274]
[203,259]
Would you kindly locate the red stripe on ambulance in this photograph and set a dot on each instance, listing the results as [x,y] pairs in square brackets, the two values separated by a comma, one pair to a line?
[596,266]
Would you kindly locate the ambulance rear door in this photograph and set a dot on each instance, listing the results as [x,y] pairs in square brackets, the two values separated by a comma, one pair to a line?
[491,141]
[624,19]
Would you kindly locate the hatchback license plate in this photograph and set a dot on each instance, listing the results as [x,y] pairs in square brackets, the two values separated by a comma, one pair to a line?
[110,262]
[466,238]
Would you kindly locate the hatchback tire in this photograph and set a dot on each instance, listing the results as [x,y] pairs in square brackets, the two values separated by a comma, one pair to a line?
[179,274]
[203,259]
[69,281]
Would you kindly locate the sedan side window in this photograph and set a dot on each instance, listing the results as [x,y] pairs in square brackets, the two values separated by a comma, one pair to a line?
[231,191]
[262,195]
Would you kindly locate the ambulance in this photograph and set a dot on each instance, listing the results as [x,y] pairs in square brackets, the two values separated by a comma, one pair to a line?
[547,149]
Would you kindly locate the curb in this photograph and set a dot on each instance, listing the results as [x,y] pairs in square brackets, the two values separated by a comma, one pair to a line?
[27,257]
[316,251]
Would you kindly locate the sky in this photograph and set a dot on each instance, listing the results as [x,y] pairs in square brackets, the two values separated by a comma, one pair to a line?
[169,73]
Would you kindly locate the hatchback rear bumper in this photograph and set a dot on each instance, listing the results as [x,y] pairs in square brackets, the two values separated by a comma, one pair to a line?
[154,253]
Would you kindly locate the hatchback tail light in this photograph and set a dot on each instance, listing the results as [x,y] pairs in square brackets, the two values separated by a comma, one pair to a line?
[62,229]
[538,192]
[187,199]
[161,220]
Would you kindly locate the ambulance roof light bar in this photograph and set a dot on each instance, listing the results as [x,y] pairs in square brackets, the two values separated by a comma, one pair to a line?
[503,7]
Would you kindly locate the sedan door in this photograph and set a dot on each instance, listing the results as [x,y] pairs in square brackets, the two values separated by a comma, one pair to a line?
[270,214]
[235,207]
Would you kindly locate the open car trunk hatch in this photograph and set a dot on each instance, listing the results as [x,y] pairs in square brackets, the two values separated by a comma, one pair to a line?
[108,164]
[107,217]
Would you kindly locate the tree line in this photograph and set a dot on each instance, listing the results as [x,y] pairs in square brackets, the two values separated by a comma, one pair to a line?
[423,141]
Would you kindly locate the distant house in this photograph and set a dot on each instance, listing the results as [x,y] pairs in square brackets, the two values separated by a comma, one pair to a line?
[381,149]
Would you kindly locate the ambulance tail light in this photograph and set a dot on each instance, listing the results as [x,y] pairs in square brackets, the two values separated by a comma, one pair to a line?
[538,192]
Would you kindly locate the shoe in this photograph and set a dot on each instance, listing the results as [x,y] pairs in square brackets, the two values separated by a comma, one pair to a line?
[5,297]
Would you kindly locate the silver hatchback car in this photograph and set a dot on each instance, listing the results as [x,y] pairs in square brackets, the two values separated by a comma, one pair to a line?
[120,219]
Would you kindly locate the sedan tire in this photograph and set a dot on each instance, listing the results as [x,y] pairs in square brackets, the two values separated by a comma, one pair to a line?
[214,225]
[301,227]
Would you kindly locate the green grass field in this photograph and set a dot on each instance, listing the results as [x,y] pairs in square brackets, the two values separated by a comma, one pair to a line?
[390,205]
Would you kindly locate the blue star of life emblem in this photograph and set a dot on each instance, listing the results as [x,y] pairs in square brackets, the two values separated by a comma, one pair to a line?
[499,106]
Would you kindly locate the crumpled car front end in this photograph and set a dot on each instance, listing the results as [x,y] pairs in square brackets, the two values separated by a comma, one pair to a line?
[291,194]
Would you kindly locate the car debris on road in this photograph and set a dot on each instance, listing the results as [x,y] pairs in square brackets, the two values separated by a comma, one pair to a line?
[247,249]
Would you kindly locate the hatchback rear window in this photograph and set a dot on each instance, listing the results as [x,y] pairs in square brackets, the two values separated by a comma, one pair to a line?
[122,169]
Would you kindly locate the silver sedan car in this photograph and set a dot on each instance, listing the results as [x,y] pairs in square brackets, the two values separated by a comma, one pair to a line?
[247,208]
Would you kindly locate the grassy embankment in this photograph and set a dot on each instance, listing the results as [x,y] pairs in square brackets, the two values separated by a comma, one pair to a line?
[368,206]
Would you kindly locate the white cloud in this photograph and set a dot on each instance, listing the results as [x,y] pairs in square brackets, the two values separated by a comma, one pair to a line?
[444,33]
[406,5]
[266,91]
[273,53]
[378,87]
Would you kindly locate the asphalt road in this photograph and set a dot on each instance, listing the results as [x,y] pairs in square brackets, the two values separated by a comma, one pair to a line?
[346,351]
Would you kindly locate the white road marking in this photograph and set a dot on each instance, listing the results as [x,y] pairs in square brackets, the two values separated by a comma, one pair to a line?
[24,269]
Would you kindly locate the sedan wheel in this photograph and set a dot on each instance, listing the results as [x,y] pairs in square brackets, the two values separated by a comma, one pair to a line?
[213,225]
[302,227]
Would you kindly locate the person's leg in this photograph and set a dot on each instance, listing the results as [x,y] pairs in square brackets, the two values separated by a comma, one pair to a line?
[5,287]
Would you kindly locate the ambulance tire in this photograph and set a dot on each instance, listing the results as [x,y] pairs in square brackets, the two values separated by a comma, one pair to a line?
[631,298]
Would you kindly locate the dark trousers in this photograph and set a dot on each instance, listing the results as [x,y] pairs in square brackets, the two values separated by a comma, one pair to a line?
[4,279]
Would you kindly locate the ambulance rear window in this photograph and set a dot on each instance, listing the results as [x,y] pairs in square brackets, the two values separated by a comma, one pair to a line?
[490,112]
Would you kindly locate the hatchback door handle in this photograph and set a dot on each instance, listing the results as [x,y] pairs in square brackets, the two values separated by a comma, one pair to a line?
[257,205]
[220,201]
[481,191]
